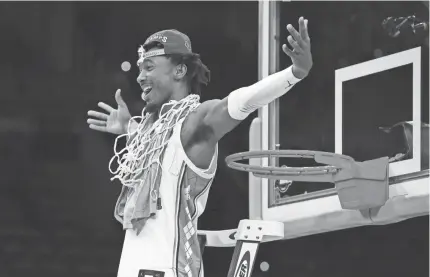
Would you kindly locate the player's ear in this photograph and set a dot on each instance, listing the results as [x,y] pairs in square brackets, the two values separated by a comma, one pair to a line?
[180,71]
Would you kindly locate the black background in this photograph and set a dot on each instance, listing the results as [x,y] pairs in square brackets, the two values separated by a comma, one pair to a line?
[59,59]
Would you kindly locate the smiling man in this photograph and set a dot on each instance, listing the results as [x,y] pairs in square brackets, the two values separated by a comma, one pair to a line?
[170,158]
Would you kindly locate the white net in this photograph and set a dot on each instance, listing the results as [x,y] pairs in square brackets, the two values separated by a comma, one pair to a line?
[147,142]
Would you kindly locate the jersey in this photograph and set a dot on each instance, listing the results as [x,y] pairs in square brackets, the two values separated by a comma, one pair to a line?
[168,242]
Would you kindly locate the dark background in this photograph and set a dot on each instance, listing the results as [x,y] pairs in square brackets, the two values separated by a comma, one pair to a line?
[59,59]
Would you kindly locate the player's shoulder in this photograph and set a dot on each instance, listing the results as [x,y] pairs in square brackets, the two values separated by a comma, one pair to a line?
[208,104]
[196,119]
[203,109]
[194,127]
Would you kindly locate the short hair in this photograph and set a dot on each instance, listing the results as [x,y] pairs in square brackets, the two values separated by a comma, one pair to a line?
[198,73]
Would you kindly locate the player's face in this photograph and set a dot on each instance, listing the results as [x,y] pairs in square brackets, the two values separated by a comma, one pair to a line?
[156,78]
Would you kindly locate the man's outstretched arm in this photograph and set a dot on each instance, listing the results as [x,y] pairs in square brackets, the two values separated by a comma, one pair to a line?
[224,115]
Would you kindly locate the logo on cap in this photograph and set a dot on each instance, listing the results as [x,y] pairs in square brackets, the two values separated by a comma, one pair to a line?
[188,45]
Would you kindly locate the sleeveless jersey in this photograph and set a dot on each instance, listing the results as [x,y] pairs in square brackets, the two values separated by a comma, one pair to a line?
[169,241]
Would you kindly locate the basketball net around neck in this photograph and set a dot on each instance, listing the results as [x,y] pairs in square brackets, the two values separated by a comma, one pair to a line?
[145,145]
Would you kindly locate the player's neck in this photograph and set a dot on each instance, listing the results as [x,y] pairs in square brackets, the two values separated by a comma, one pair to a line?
[179,93]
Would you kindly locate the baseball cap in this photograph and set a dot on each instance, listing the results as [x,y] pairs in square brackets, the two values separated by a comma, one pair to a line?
[173,41]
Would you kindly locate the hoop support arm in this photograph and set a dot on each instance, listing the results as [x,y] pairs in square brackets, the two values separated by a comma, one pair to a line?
[359,185]
[270,231]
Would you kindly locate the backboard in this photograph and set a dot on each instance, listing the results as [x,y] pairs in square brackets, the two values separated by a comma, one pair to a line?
[367,96]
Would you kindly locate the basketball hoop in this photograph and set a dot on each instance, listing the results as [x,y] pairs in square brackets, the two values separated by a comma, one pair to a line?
[359,185]
[334,163]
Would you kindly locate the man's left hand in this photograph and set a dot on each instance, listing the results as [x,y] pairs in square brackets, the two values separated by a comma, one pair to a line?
[301,53]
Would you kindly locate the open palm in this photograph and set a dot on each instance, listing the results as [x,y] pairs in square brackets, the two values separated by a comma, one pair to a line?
[115,121]
[300,53]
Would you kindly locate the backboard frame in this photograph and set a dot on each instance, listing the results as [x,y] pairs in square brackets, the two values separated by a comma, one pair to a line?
[375,66]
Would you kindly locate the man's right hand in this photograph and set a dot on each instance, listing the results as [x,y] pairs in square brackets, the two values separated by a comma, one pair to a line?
[114,121]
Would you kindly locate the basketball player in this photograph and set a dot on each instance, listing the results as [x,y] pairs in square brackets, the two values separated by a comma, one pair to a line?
[170,157]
